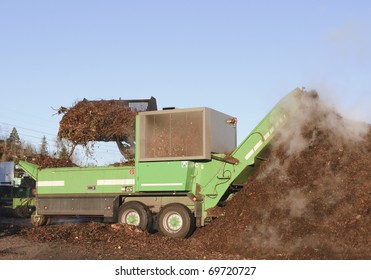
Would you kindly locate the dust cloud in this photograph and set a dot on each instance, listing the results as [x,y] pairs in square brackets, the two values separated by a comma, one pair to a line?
[326,117]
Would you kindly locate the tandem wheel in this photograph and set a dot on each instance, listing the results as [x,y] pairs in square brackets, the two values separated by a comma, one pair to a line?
[176,220]
[135,213]
[38,220]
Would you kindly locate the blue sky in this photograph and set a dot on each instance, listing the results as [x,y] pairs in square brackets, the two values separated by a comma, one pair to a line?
[238,57]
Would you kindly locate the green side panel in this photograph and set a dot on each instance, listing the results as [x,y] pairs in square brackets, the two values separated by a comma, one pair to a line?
[165,176]
[84,180]
[206,172]
[30,168]
[244,175]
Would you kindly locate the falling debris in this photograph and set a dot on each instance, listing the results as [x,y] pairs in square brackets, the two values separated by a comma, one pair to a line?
[44,161]
[103,120]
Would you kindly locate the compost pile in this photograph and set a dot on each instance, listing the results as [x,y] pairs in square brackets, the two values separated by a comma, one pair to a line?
[95,240]
[103,120]
[310,200]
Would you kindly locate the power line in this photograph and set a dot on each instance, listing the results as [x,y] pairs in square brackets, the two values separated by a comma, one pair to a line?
[28,129]
[44,134]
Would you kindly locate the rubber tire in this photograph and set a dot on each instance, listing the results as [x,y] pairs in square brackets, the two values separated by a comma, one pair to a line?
[182,214]
[21,211]
[24,211]
[143,212]
[39,220]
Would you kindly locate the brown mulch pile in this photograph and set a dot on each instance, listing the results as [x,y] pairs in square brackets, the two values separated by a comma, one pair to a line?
[311,200]
[104,120]
[93,240]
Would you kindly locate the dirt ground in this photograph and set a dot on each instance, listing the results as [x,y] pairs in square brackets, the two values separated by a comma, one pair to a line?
[93,240]
[311,199]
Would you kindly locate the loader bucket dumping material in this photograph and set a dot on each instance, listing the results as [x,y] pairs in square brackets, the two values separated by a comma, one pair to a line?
[102,120]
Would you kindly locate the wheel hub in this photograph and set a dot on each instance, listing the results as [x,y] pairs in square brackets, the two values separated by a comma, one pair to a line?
[132,218]
[174,222]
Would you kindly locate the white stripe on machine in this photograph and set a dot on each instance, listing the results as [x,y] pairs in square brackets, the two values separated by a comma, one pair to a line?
[116,182]
[50,184]
[265,137]
[256,147]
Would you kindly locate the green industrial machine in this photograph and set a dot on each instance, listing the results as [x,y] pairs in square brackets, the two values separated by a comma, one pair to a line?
[16,191]
[187,162]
